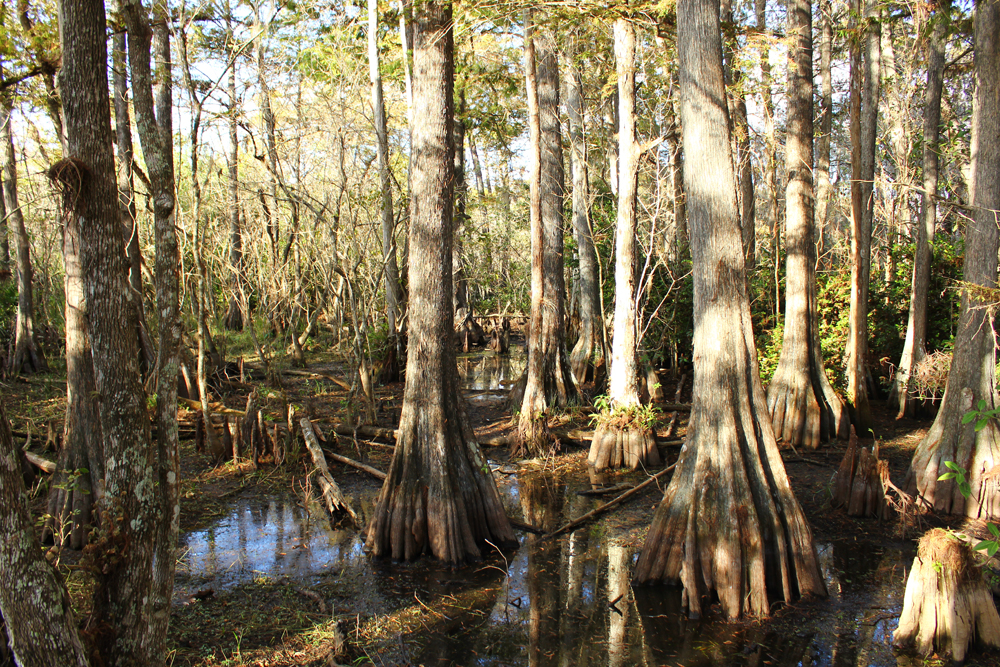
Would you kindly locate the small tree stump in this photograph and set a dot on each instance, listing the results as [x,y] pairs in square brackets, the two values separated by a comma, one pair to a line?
[947,604]
[858,483]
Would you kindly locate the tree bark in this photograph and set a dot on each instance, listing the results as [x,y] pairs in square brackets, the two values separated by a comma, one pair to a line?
[33,599]
[142,510]
[439,497]
[615,443]
[804,408]
[28,356]
[972,380]
[390,271]
[770,157]
[862,214]
[550,381]
[823,139]
[745,198]
[126,195]
[588,353]
[914,347]
[728,522]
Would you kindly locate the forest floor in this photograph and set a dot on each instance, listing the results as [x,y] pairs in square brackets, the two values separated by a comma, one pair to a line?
[264,579]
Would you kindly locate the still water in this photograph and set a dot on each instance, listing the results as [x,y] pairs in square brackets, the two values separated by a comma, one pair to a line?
[558,602]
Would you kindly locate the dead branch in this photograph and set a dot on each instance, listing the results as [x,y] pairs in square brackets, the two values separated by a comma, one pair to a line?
[332,496]
[575,523]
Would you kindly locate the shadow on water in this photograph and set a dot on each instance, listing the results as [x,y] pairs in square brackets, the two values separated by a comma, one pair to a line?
[565,601]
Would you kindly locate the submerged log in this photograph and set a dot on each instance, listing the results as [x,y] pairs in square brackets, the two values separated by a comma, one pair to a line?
[332,496]
[947,604]
[859,483]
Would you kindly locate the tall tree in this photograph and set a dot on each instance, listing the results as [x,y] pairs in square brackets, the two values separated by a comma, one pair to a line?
[233,320]
[28,356]
[126,192]
[393,296]
[866,78]
[633,444]
[770,156]
[972,380]
[914,348]
[438,496]
[804,408]
[823,138]
[144,482]
[550,381]
[588,353]
[742,535]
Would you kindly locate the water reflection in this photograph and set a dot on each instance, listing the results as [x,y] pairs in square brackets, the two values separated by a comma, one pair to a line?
[486,371]
[560,602]
[272,537]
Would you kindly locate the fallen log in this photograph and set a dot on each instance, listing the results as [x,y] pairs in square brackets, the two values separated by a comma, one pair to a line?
[313,374]
[217,408]
[374,472]
[332,496]
[575,523]
[43,464]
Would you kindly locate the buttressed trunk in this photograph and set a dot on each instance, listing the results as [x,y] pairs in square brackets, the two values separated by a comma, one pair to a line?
[439,497]
[728,523]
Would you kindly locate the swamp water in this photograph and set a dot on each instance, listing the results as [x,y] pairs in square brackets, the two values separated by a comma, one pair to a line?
[564,601]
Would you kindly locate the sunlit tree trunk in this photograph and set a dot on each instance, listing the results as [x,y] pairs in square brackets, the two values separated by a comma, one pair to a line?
[804,408]
[863,132]
[972,380]
[823,188]
[742,536]
[745,198]
[133,597]
[770,157]
[588,353]
[439,497]
[914,348]
[630,444]
[550,381]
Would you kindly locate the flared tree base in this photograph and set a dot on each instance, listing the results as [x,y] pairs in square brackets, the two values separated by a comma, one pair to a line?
[629,447]
[947,604]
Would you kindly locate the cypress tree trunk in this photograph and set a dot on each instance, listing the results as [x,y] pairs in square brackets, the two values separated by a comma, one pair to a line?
[438,496]
[728,522]
[620,440]
[823,187]
[863,132]
[804,408]
[588,353]
[972,379]
[914,347]
[550,381]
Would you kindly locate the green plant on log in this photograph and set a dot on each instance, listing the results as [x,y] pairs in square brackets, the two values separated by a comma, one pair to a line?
[623,417]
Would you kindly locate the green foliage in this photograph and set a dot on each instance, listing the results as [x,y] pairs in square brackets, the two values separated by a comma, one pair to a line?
[635,416]
[8,309]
